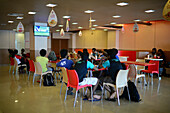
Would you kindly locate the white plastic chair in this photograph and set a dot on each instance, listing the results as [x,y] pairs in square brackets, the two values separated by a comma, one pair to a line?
[64,75]
[123,58]
[16,66]
[38,72]
[121,81]
[133,74]
[138,67]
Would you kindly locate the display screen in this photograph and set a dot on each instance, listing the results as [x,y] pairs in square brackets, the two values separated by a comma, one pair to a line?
[41,31]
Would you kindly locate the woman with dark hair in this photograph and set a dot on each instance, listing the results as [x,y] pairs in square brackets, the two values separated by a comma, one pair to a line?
[162,64]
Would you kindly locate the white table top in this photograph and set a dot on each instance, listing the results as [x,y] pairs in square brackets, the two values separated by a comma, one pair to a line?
[155,59]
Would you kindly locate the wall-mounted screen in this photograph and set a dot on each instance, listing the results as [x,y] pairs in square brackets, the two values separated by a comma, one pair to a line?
[41,31]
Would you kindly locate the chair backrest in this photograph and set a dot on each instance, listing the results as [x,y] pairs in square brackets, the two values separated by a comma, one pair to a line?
[11,61]
[154,67]
[64,73]
[123,58]
[132,71]
[32,67]
[121,79]
[38,68]
[73,79]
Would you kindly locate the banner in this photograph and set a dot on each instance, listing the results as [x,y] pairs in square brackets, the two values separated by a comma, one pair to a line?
[166,11]
[80,33]
[20,28]
[67,25]
[62,32]
[135,27]
[52,19]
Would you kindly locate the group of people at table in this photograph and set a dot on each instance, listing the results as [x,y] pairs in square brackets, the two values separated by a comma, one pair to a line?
[84,61]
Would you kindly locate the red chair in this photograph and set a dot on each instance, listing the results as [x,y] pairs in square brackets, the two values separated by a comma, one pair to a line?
[18,57]
[152,69]
[11,63]
[32,67]
[73,81]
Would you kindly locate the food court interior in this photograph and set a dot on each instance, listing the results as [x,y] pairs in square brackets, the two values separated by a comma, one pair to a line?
[133,27]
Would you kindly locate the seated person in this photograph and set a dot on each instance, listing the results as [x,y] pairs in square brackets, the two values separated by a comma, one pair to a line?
[153,54]
[43,61]
[94,54]
[78,56]
[162,64]
[114,49]
[85,52]
[64,62]
[81,68]
[23,52]
[113,66]
[52,56]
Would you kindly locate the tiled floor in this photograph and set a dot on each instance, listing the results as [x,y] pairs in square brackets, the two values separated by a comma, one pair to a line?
[35,99]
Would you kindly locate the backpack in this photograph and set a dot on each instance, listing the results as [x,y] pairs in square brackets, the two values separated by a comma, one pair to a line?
[48,80]
[134,95]
[81,69]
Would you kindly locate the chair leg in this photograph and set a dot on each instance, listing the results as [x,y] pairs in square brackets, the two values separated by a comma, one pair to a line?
[148,78]
[118,97]
[152,78]
[29,75]
[145,83]
[55,77]
[75,99]
[128,93]
[61,87]
[40,80]
[92,94]
[9,68]
[83,92]
[136,81]
[103,91]
[66,95]
[33,78]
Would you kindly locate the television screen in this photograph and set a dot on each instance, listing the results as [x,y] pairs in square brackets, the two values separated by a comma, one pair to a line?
[41,31]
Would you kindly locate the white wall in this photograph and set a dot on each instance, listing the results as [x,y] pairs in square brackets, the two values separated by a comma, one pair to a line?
[19,41]
[7,39]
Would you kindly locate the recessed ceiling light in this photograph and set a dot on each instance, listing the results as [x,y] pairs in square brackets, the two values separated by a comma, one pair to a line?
[137,20]
[88,11]
[105,29]
[116,16]
[66,16]
[51,5]
[16,101]
[60,25]
[31,13]
[122,4]
[10,21]
[80,27]
[93,28]
[15,14]
[113,23]
[95,25]
[23,92]
[20,17]
[150,11]
[74,23]
[92,20]
[57,30]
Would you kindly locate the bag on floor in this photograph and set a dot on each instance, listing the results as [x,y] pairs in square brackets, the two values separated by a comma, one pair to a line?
[48,80]
[134,95]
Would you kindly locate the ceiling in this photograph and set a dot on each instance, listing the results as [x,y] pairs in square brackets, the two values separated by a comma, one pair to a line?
[103,12]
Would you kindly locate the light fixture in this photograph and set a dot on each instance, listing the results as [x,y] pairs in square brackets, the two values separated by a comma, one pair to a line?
[23,92]
[93,28]
[57,30]
[16,101]
[80,27]
[20,17]
[51,5]
[116,16]
[88,11]
[74,23]
[15,14]
[150,11]
[95,25]
[113,23]
[31,13]
[122,4]
[10,21]
[66,16]
[60,25]
[92,20]
[137,20]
